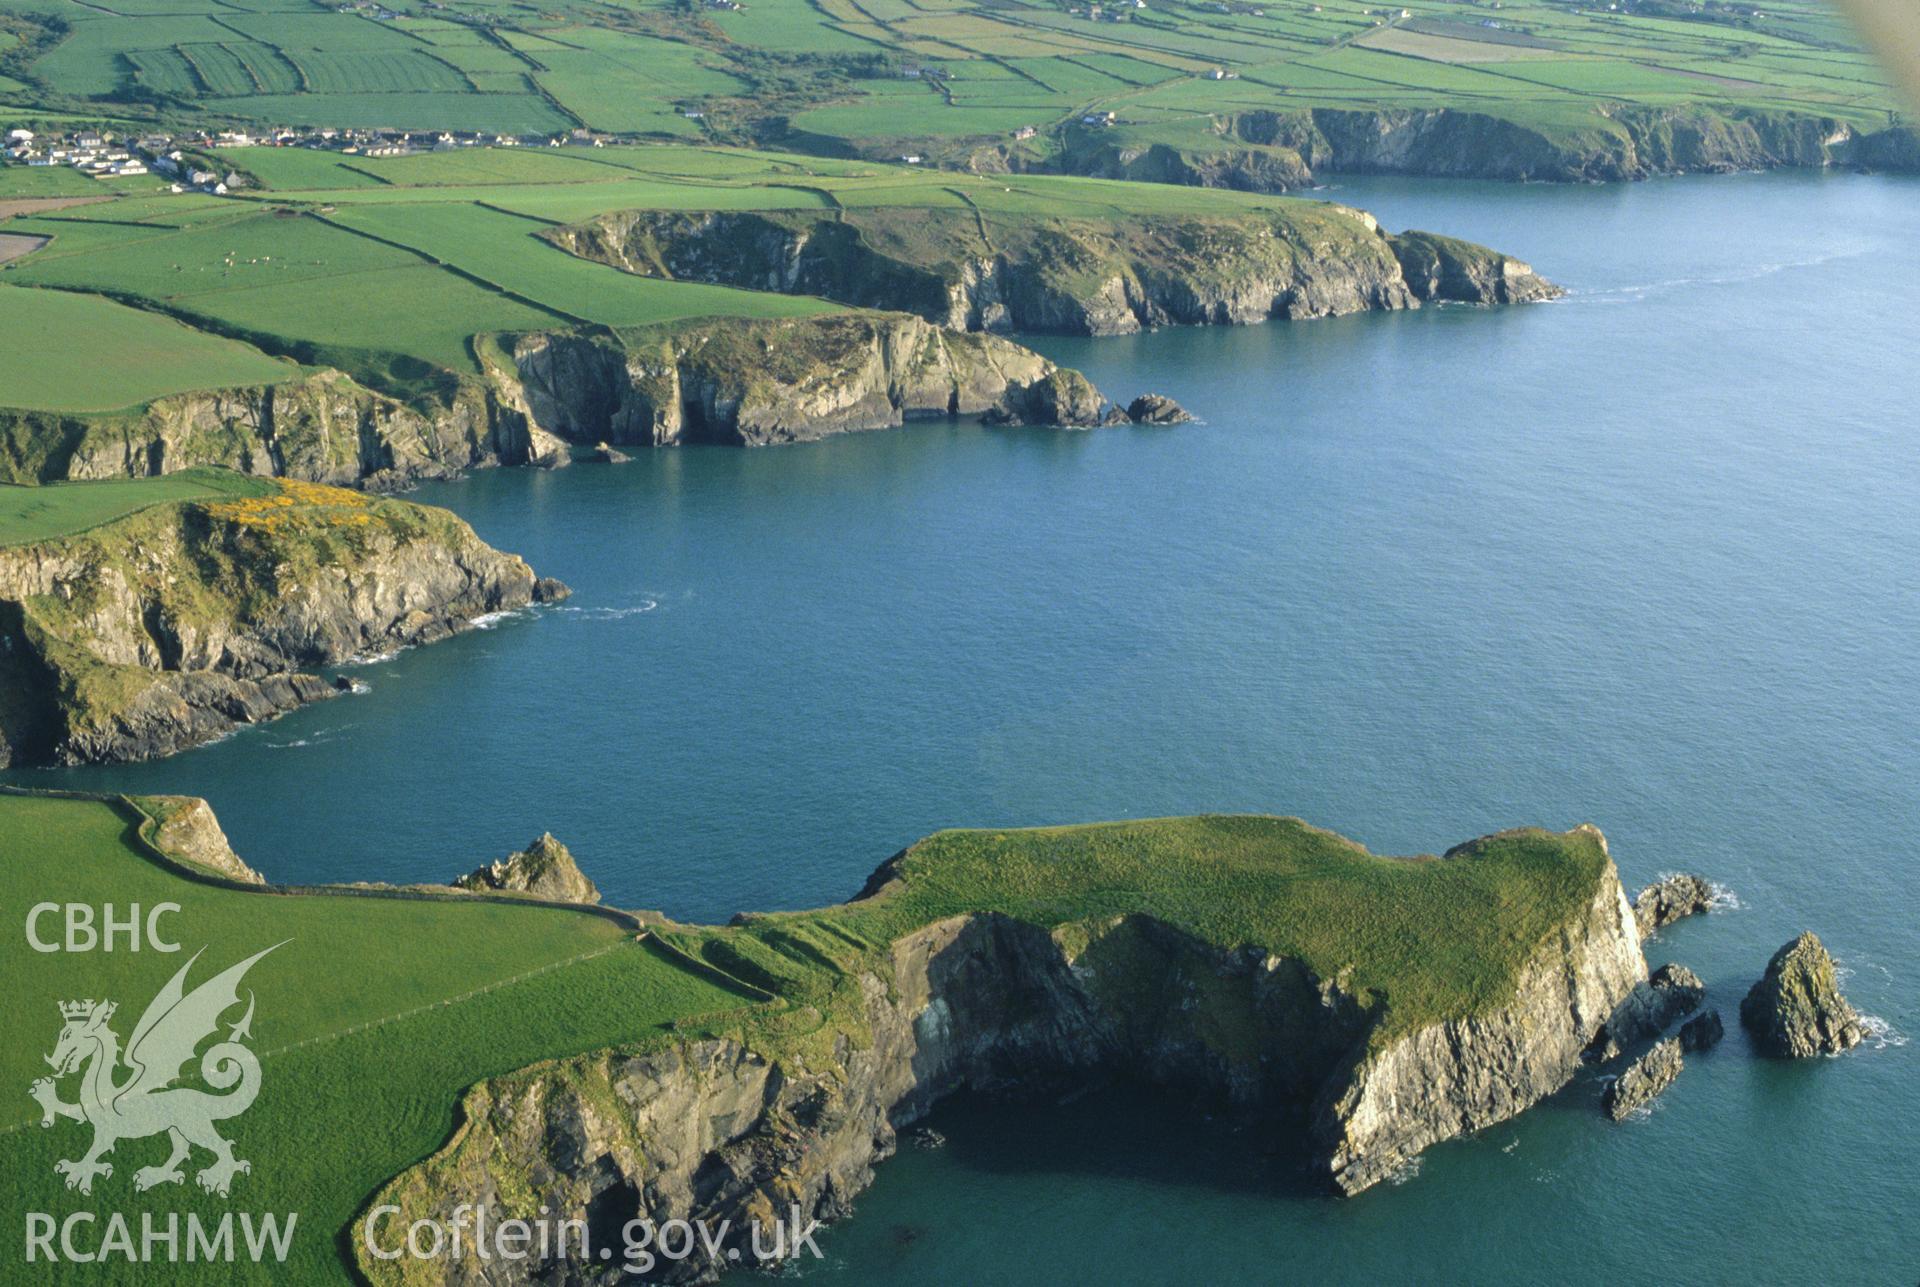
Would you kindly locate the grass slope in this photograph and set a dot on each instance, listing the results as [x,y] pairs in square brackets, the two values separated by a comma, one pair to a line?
[32,514]
[371,1019]
[56,340]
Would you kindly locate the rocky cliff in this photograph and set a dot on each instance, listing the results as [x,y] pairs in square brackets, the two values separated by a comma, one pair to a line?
[790,1109]
[547,396]
[1278,151]
[752,383]
[544,869]
[322,428]
[177,624]
[965,271]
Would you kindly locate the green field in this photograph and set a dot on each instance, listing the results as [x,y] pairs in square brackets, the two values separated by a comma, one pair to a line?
[52,359]
[919,73]
[1412,936]
[30,514]
[366,1039]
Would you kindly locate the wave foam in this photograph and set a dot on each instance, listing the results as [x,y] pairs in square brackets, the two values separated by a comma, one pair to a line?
[612,614]
[1880,1034]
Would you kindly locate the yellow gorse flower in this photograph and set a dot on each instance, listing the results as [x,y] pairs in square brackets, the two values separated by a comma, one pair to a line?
[293,501]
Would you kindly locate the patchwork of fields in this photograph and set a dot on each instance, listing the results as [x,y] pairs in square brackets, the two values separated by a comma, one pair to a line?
[871,72]
[387,267]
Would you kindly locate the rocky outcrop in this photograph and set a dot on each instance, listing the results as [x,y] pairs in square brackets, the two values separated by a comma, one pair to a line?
[1669,993]
[1671,898]
[1278,151]
[185,827]
[751,1129]
[752,383]
[1448,269]
[1154,409]
[321,428]
[1073,276]
[544,869]
[1064,398]
[179,623]
[1796,1009]
[1702,1032]
[1643,1079]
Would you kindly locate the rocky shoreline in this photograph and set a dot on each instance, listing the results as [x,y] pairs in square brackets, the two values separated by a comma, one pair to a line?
[549,397]
[1069,276]
[750,1129]
[1282,151]
[180,623]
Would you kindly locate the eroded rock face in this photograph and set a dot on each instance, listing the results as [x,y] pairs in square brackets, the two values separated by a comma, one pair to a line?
[1669,993]
[1796,1010]
[1065,399]
[1644,1079]
[321,428]
[544,869]
[1073,276]
[710,1130]
[1467,1075]
[180,623]
[1278,151]
[753,383]
[1153,409]
[1669,899]
[1447,269]
[1702,1032]
[188,829]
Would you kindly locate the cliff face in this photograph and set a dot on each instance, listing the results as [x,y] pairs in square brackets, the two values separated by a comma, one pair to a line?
[1071,276]
[179,623]
[748,1129]
[1270,151]
[324,428]
[754,383]
[1450,1078]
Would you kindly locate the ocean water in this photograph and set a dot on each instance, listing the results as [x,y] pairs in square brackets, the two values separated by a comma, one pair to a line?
[1647,557]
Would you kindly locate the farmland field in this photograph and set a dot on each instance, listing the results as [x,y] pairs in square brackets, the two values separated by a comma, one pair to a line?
[60,509]
[354,1024]
[874,73]
[72,352]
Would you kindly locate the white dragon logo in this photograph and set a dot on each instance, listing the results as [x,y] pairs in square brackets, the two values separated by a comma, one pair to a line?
[145,1102]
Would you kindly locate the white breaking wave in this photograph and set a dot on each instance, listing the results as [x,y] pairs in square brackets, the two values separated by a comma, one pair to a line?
[1880,1033]
[1723,899]
[611,614]
[1640,290]
[1409,1170]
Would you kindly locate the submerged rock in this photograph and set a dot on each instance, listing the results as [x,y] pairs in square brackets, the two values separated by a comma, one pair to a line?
[544,869]
[1702,1032]
[1648,1075]
[1155,409]
[1671,898]
[1796,1009]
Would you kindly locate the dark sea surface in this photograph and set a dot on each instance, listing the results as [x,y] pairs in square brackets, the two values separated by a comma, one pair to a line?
[1647,557]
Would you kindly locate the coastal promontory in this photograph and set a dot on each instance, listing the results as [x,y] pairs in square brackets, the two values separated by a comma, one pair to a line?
[181,620]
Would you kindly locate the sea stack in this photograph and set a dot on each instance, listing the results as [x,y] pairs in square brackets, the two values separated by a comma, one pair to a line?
[1796,1009]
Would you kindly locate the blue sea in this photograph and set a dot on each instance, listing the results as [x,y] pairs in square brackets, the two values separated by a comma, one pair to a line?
[1647,557]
